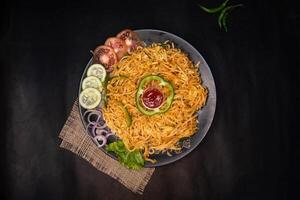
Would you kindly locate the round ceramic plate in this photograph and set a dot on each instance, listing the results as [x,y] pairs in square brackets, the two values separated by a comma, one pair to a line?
[205,115]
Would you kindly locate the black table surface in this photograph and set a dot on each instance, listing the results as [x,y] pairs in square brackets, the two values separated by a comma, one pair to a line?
[250,151]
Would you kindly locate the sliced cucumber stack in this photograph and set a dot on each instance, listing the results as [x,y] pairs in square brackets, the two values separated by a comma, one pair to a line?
[90,98]
[92,82]
[92,86]
[97,70]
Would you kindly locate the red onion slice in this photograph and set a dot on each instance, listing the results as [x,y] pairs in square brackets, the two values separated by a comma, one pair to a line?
[110,134]
[101,132]
[90,113]
[101,126]
[96,127]
[100,140]
[94,130]
[93,113]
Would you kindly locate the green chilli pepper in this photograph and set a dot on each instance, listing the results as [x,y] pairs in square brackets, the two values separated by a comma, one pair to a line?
[224,13]
[214,10]
[127,114]
[105,83]
[104,92]
[224,20]
[168,102]
[117,76]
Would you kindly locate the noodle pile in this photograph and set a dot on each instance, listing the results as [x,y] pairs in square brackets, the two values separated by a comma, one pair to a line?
[161,132]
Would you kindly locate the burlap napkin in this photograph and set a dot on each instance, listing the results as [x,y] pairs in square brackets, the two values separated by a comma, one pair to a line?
[77,141]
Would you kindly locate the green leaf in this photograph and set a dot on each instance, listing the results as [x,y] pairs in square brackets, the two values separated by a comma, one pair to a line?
[117,146]
[132,160]
[139,158]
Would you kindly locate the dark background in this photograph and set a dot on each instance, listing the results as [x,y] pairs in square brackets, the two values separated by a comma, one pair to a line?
[251,149]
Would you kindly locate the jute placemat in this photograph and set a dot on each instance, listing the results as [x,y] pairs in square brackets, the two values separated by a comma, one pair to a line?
[77,141]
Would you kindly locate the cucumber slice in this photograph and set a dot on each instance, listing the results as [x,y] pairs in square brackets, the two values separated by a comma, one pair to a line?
[90,98]
[97,70]
[92,82]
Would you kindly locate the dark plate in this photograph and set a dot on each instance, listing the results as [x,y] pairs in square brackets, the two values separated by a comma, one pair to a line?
[205,115]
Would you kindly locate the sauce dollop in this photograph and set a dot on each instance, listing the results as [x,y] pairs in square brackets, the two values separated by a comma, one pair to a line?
[152,98]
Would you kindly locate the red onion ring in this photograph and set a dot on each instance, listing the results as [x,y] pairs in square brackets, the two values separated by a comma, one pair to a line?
[93,111]
[90,113]
[101,132]
[101,138]
[101,126]
[110,134]
[91,125]
[94,130]
[97,127]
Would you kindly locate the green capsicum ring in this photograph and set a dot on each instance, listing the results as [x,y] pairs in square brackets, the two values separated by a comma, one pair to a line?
[140,91]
